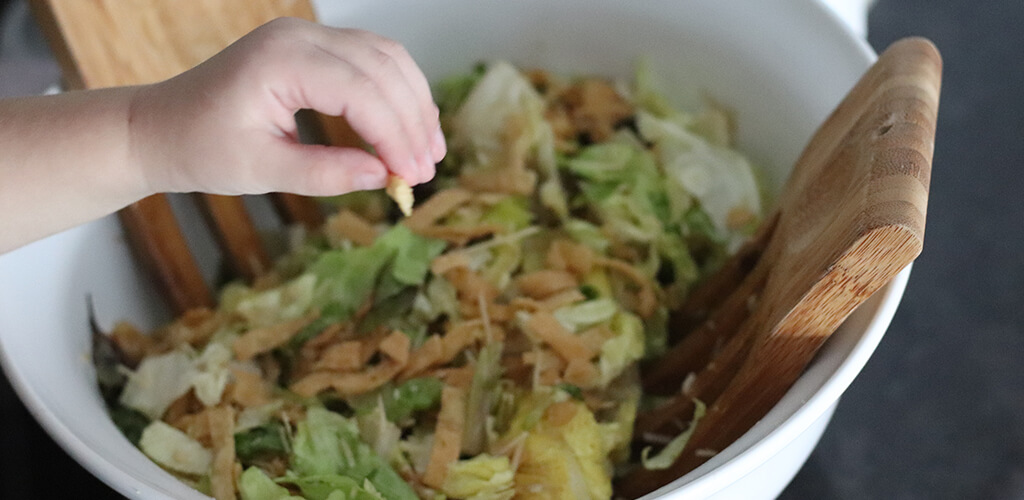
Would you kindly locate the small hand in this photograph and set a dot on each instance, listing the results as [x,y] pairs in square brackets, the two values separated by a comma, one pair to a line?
[227,126]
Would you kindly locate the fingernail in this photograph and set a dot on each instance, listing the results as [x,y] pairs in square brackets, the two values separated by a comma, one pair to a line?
[439,147]
[426,168]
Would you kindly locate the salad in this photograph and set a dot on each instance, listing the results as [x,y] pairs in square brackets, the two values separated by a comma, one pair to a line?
[484,347]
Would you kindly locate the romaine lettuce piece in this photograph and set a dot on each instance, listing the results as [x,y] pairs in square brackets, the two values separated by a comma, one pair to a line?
[157,382]
[254,484]
[174,449]
[483,477]
[327,444]
[667,456]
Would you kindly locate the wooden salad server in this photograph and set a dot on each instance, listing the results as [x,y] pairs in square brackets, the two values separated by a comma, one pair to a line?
[850,218]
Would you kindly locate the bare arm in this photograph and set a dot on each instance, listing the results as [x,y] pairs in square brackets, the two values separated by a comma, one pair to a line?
[224,127]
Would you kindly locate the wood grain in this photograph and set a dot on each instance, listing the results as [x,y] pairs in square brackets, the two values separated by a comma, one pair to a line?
[851,216]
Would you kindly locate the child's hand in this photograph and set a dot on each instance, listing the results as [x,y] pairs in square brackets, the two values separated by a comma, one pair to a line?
[227,126]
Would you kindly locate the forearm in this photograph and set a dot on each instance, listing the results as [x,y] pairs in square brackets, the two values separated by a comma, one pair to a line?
[64,160]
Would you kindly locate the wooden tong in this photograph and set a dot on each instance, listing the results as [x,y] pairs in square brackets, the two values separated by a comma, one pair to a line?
[850,218]
[105,43]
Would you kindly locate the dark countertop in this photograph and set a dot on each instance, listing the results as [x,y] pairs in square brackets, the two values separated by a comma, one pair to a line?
[939,410]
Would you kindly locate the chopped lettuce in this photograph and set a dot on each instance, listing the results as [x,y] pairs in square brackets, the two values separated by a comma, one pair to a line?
[564,459]
[269,439]
[403,400]
[174,449]
[580,316]
[349,277]
[287,301]
[667,456]
[254,484]
[157,382]
[328,444]
[622,350]
[486,374]
[483,477]
[721,178]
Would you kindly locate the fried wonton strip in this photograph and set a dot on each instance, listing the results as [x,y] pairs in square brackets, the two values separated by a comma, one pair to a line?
[248,389]
[471,285]
[447,435]
[345,356]
[427,355]
[647,300]
[563,298]
[261,340]
[222,469]
[544,283]
[499,180]
[570,256]
[544,327]
[460,235]
[581,373]
[396,346]
[459,337]
[133,344]
[347,225]
[448,261]
[401,192]
[436,207]
[347,384]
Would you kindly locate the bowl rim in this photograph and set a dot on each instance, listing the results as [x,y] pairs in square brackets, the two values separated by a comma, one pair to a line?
[711,477]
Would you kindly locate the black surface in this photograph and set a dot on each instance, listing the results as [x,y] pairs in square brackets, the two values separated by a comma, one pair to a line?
[939,410]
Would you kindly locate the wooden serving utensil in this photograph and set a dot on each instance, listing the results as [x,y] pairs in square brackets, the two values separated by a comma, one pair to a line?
[850,218]
[105,43]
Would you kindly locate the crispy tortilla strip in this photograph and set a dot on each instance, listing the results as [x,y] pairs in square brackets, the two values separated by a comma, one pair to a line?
[427,355]
[581,373]
[448,261]
[596,336]
[222,470]
[132,343]
[195,328]
[646,297]
[499,180]
[563,298]
[544,283]
[461,377]
[248,389]
[347,225]
[495,312]
[544,327]
[436,207]
[347,384]
[596,108]
[447,435]
[559,414]
[345,356]
[570,256]
[196,425]
[401,192]
[460,235]
[470,286]
[266,339]
[459,337]
[396,347]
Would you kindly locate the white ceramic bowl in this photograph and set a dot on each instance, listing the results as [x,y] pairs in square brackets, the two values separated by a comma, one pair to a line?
[783,65]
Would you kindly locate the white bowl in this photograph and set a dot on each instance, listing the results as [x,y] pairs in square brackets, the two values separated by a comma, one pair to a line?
[782,65]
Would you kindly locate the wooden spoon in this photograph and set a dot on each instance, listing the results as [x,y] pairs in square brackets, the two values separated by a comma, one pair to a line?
[850,218]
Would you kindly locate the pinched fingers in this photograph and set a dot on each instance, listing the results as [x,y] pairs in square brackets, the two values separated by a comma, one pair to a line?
[375,84]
